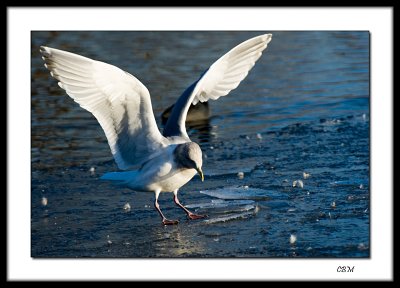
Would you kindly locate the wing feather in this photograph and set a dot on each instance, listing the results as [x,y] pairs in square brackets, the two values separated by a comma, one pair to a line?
[119,101]
[222,77]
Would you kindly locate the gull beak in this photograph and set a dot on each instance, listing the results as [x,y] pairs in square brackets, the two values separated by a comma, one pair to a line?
[200,174]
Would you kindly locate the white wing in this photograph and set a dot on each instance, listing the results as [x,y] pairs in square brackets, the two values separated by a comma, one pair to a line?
[222,77]
[119,101]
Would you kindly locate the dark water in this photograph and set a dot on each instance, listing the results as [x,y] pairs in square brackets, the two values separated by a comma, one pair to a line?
[304,108]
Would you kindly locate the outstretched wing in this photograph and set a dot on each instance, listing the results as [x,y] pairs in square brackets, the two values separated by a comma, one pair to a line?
[119,101]
[222,77]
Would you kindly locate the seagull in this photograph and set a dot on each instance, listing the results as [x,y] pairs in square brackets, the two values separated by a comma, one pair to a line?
[150,161]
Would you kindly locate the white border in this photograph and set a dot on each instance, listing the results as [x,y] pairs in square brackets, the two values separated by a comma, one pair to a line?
[22,20]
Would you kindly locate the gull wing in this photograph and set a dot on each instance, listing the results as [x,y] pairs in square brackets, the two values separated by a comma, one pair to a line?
[222,77]
[119,101]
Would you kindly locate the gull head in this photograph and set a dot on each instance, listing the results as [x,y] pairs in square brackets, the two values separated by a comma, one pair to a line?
[188,155]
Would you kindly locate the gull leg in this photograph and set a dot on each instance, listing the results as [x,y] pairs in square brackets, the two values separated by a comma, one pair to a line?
[165,221]
[190,215]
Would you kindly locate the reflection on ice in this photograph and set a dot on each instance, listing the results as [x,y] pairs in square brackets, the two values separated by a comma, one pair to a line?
[238,193]
[230,217]
[220,203]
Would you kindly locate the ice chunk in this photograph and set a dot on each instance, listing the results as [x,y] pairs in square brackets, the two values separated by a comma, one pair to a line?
[92,171]
[298,183]
[292,239]
[217,206]
[44,201]
[127,207]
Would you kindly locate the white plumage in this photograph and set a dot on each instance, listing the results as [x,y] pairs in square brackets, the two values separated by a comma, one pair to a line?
[229,70]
